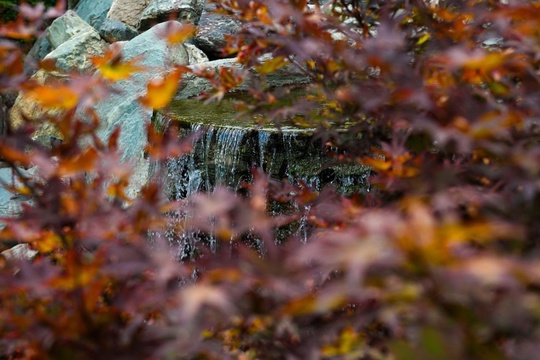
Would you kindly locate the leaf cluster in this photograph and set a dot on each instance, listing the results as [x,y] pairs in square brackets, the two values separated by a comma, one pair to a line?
[439,260]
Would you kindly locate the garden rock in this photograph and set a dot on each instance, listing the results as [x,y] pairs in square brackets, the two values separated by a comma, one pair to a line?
[210,36]
[127,11]
[93,12]
[114,31]
[76,53]
[27,108]
[122,108]
[163,10]
[41,48]
[195,55]
[66,27]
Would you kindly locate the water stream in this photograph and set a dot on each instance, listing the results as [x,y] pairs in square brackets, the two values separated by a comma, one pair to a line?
[225,154]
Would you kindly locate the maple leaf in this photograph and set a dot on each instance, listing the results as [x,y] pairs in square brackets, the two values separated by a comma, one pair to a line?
[161,91]
[57,96]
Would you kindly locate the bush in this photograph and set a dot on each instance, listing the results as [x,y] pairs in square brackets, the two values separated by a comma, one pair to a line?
[438,261]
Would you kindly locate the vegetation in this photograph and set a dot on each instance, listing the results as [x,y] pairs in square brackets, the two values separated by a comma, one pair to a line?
[8,8]
[438,261]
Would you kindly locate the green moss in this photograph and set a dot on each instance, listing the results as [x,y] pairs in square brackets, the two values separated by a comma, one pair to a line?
[225,113]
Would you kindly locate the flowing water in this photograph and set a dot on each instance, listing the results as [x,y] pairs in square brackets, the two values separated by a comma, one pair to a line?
[225,153]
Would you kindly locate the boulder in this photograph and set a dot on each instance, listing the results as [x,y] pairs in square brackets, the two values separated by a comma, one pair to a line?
[163,10]
[127,11]
[195,55]
[41,48]
[74,55]
[3,115]
[93,12]
[210,36]
[122,108]
[114,31]
[65,27]
[27,108]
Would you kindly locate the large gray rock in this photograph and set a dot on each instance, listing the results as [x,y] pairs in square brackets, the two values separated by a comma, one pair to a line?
[210,36]
[193,86]
[114,31]
[93,11]
[75,54]
[65,27]
[41,48]
[127,11]
[163,10]
[122,108]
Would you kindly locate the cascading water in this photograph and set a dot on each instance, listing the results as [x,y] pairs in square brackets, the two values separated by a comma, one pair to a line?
[225,152]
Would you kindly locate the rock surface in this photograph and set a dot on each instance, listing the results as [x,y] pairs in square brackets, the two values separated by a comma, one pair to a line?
[41,48]
[122,108]
[65,27]
[27,108]
[210,36]
[74,55]
[10,204]
[93,12]
[195,55]
[127,11]
[114,31]
[163,10]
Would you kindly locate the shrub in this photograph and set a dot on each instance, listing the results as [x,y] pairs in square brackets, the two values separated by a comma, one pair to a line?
[438,261]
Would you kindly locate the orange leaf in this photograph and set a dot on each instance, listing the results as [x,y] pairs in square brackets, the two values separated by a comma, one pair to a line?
[161,91]
[178,34]
[55,97]
[81,163]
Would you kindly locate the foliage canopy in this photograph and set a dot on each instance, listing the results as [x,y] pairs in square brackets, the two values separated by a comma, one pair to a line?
[438,261]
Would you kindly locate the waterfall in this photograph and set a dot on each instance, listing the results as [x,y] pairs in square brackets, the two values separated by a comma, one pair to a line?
[225,155]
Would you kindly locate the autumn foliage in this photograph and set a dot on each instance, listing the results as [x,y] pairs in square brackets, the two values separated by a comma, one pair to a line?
[438,260]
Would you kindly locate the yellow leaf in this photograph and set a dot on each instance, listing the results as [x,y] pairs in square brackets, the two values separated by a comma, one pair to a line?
[423,39]
[49,241]
[161,91]
[55,97]
[113,68]
[271,65]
